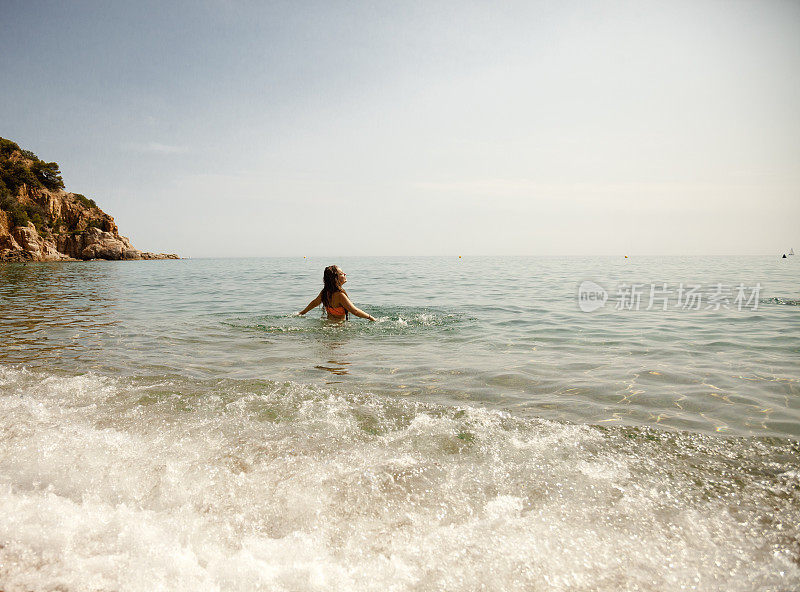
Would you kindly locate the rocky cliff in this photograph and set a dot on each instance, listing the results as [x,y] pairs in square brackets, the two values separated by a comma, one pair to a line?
[40,221]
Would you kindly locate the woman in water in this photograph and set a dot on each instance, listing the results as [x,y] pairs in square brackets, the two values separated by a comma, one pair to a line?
[334,298]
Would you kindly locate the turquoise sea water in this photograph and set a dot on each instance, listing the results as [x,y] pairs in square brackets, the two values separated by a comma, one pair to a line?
[178,418]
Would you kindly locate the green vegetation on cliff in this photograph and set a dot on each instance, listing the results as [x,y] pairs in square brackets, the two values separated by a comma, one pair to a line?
[20,168]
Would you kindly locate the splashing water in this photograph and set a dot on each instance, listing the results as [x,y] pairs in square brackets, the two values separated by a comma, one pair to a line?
[179,484]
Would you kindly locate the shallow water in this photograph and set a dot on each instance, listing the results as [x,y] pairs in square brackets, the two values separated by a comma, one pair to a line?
[502,333]
[175,421]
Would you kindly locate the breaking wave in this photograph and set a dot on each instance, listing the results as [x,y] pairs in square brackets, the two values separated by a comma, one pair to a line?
[186,484]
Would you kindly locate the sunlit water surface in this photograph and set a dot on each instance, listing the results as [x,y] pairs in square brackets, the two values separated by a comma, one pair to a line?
[172,425]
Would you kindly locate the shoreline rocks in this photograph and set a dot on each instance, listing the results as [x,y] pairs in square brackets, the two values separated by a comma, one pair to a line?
[24,243]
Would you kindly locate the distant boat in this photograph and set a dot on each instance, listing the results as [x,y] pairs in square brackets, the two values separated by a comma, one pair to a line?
[791,251]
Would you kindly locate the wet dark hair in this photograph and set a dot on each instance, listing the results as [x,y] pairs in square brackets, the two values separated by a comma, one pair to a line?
[331,284]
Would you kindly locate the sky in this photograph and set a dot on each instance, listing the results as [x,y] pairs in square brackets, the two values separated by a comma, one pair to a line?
[233,128]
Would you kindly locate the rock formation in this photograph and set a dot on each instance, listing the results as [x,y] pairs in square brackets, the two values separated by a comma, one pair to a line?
[40,221]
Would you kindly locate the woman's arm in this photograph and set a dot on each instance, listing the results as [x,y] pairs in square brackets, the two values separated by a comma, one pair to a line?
[352,308]
[313,304]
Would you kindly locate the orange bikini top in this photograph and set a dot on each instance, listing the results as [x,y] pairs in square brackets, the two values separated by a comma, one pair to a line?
[339,311]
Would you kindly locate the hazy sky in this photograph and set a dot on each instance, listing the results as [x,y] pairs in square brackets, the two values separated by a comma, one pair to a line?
[226,128]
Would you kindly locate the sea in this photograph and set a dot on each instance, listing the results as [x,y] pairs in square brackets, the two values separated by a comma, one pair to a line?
[507,423]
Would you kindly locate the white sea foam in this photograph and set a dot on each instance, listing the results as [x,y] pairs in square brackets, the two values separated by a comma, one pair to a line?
[111,484]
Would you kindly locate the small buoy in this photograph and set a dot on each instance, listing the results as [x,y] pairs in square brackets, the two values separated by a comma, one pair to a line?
[459,256]
[626,256]
[304,257]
